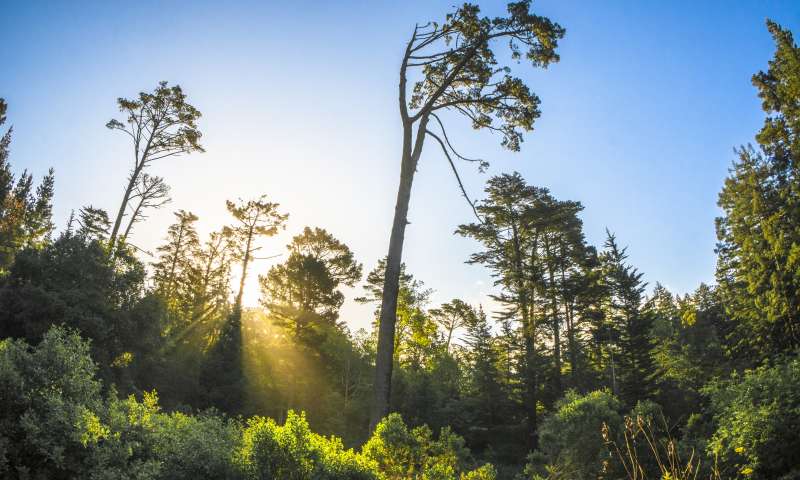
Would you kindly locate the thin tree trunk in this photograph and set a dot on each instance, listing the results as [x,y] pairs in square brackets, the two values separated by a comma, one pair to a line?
[121,213]
[569,317]
[555,320]
[132,220]
[384,360]
[245,261]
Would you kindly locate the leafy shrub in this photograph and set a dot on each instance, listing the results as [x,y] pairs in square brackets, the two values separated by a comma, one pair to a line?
[757,418]
[293,452]
[400,453]
[571,437]
[200,446]
[44,392]
[55,424]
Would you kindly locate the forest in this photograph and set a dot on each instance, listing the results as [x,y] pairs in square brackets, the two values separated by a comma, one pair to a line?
[118,363]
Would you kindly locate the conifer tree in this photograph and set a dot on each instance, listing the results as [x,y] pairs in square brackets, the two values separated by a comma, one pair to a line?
[759,231]
[25,213]
[175,268]
[485,395]
[253,219]
[630,348]
[305,288]
[93,223]
[451,316]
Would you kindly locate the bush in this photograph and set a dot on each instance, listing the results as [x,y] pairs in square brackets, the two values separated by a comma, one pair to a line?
[571,437]
[757,420]
[55,424]
[293,452]
[45,392]
[400,453]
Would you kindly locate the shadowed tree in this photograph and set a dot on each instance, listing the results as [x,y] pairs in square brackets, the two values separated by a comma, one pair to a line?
[25,213]
[93,223]
[451,316]
[306,286]
[512,252]
[175,268]
[212,282]
[160,124]
[254,218]
[150,192]
[458,72]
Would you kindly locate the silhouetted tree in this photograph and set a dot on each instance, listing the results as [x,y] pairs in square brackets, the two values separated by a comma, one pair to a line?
[150,192]
[306,286]
[160,124]
[460,73]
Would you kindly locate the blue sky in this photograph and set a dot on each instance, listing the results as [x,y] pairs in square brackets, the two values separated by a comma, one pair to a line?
[299,100]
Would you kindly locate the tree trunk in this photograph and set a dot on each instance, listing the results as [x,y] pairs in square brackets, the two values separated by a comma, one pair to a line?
[569,318]
[555,320]
[384,360]
[391,286]
[245,261]
[121,213]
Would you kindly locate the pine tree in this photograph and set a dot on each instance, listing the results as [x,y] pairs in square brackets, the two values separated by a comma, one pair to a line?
[25,213]
[305,288]
[93,223]
[759,232]
[175,268]
[485,397]
[631,349]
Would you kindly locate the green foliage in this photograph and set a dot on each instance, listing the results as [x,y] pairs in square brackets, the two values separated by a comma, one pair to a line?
[55,424]
[293,452]
[757,417]
[759,231]
[45,392]
[571,437]
[73,282]
[401,453]
[199,446]
[25,213]
[306,286]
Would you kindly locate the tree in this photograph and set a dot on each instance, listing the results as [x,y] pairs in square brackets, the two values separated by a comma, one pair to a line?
[93,223]
[72,281]
[759,231]
[459,73]
[25,214]
[175,268]
[511,251]
[254,218]
[306,286]
[161,124]
[211,295]
[486,399]
[630,326]
[150,192]
[451,316]
[412,299]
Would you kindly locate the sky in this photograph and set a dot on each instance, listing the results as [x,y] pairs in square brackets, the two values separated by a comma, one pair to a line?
[639,121]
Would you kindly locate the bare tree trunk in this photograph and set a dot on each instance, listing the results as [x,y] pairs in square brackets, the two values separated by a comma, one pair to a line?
[130,222]
[245,261]
[384,360]
[121,213]
[571,343]
[555,320]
